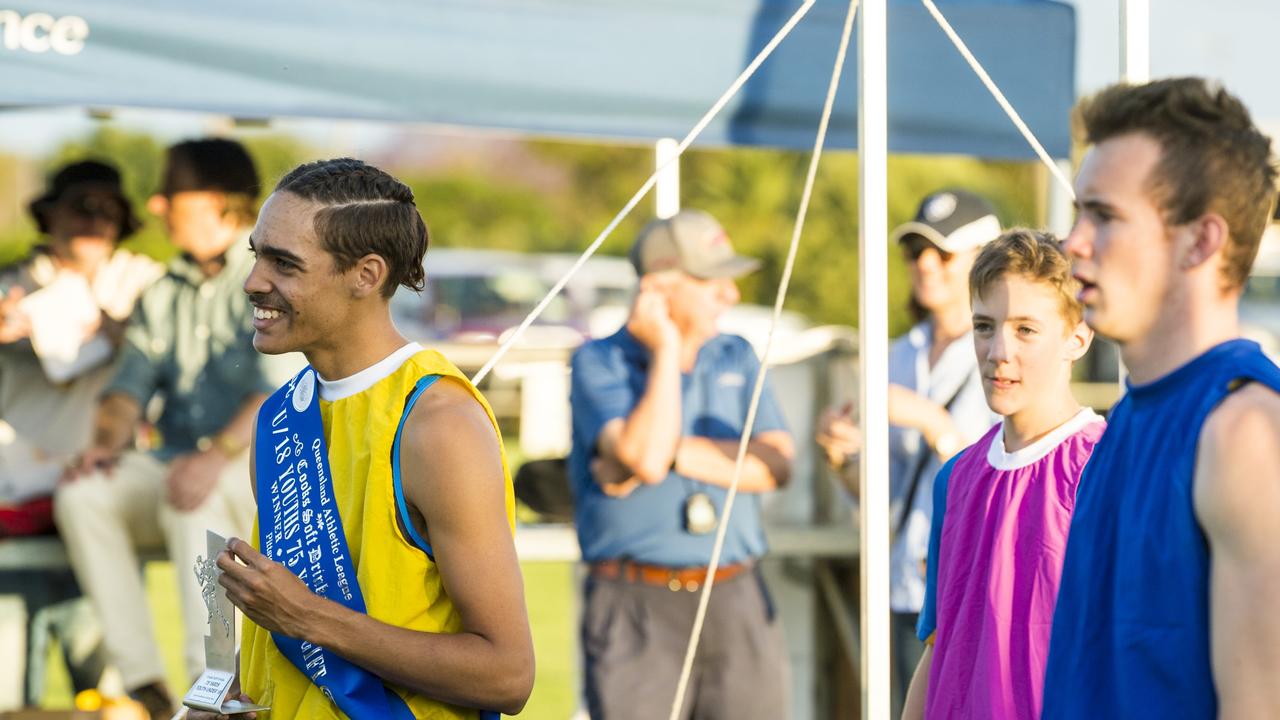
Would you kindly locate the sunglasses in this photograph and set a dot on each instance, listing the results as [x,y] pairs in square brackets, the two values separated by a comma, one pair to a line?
[915,246]
[97,206]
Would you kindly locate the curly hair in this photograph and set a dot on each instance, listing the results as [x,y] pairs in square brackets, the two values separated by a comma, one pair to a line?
[1213,158]
[1034,255]
[365,211]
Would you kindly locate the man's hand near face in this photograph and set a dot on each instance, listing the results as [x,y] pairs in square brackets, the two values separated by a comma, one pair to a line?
[650,320]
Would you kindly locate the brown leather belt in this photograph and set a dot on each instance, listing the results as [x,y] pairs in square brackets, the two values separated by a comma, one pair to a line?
[674,579]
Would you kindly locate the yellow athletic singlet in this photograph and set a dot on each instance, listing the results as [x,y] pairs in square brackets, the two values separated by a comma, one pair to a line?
[400,583]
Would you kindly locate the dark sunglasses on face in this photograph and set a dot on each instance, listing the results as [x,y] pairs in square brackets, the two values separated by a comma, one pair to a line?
[97,206]
[916,245]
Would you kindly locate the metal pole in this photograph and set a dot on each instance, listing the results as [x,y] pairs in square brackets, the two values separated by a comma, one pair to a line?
[1135,41]
[667,190]
[1135,66]
[1061,204]
[873,353]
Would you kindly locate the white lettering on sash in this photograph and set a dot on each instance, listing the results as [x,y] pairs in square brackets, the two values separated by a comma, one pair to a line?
[313,658]
[289,497]
[331,527]
[324,496]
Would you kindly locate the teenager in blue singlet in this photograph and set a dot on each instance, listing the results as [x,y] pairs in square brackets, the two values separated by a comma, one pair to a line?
[1171,582]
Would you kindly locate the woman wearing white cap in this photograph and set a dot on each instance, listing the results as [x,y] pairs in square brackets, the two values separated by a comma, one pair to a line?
[936,402]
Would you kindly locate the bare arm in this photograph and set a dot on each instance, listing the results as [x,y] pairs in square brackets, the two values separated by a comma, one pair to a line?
[116,422]
[918,692]
[912,410]
[453,481]
[645,440]
[766,467]
[1237,501]
[841,441]
[114,425]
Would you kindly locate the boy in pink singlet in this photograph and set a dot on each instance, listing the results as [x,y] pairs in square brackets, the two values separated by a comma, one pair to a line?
[1002,507]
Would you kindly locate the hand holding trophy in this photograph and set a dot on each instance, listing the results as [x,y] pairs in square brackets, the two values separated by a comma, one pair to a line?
[209,693]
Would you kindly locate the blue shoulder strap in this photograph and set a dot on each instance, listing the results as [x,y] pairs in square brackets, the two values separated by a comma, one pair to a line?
[401,506]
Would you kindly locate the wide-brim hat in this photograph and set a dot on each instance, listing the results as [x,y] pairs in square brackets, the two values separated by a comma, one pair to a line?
[82,177]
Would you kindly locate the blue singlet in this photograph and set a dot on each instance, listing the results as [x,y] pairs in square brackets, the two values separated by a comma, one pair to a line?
[1131,630]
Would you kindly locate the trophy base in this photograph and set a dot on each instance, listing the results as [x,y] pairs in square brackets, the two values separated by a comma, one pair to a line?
[237,707]
[209,690]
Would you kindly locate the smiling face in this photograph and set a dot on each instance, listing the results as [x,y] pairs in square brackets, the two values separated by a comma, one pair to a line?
[939,279]
[300,302]
[1025,345]
[1120,247]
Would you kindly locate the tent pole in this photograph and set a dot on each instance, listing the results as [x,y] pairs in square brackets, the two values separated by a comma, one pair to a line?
[1135,67]
[1135,41]
[873,353]
[1061,204]
[666,192]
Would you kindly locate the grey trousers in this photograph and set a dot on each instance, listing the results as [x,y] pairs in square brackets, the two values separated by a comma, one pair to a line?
[634,638]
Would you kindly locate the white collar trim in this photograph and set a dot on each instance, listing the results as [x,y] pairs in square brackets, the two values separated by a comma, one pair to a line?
[1001,459]
[331,390]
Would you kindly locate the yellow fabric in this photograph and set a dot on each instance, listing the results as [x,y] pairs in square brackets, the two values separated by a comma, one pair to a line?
[401,585]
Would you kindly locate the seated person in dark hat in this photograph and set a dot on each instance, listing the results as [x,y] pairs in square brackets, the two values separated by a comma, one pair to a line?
[61,313]
[189,342]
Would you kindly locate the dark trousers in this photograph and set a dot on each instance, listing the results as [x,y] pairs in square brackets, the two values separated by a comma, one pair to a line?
[906,650]
[634,638]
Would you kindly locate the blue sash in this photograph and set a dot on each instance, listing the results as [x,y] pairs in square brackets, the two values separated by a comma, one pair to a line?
[299,526]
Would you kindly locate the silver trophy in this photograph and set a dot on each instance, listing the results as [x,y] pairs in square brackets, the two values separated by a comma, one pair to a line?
[210,689]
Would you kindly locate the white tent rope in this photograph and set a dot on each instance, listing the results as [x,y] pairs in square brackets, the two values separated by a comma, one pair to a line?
[737,84]
[723,526]
[1000,98]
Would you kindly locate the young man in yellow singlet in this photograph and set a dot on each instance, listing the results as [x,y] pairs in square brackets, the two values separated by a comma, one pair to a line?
[417,476]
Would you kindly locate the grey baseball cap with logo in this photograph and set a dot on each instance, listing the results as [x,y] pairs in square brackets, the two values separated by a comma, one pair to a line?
[692,241]
[954,220]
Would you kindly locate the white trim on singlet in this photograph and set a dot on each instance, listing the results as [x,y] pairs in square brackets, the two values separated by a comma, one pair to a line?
[331,390]
[1001,459]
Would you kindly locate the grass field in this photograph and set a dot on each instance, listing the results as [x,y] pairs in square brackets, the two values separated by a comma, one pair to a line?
[548,591]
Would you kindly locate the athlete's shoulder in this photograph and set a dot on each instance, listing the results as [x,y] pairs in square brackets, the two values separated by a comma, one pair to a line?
[1246,417]
[1238,457]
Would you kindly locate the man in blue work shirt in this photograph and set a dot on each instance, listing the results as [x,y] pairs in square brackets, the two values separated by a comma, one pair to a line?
[658,410]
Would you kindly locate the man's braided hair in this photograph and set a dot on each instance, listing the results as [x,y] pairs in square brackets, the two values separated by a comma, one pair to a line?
[366,211]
